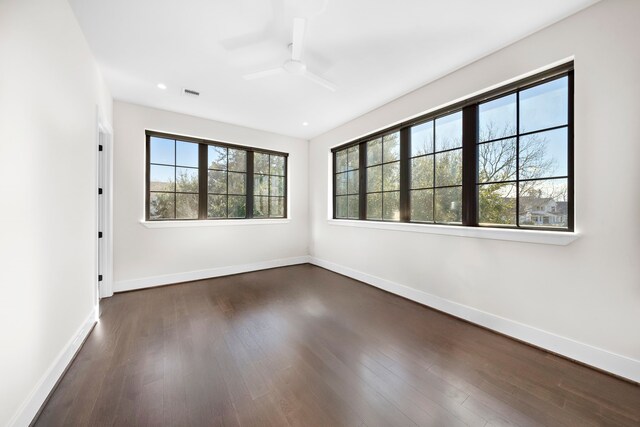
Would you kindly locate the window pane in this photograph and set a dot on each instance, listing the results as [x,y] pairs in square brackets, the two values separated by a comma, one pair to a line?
[217,182]
[187,180]
[374,179]
[237,160]
[162,205]
[277,186]
[186,206]
[353,184]
[391,176]
[237,207]
[341,207]
[277,207]
[497,204]
[544,203]
[261,163]
[545,105]
[237,183]
[544,154]
[374,152]
[353,157]
[162,151]
[277,165]
[449,131]
[497,118]
[260,206]
[217,157]
[422,205]
[341,161]
[341,183]
[354,207]
[449,168]
[422,172]
[162,178]
[186,154]
[422,139]
[261,185]
[374,206]
[391,206]
[391,147]
[448,205]
[497,161]
[217,206]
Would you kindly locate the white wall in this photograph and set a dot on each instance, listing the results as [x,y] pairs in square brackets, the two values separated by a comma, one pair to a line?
[149,256]
[588,291]
[50,91]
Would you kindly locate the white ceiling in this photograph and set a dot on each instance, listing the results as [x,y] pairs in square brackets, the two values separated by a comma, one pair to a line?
[374,51]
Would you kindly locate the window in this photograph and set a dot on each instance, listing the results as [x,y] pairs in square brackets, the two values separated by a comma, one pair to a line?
[523,156]
[436,170]
[269,185]
[347,183]
[191,179]
[173,179]
[227,182]
[500,159]
[383,178]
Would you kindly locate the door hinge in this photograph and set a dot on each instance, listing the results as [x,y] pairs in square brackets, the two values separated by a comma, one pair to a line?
[99,190]
[99,234]
[99,277]
[100,147]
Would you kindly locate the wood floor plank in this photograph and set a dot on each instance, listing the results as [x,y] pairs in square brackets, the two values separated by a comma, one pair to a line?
[302,346]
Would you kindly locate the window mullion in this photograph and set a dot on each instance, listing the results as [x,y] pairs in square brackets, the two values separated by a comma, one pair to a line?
[518,159]
[362,185]
[334,178]
[470,165]
[286,187]
[203,177]
[250,189]
[404,175]
[570,165]
[148,178]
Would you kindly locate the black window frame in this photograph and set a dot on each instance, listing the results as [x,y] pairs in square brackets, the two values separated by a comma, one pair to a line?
[470,144]
[203,170]
[382,192]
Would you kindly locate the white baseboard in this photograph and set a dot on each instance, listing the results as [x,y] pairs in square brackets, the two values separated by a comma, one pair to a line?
[601,359]
[32,404]
[167,279]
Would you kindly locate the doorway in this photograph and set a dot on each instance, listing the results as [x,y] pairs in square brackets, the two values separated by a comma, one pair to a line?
[104,209]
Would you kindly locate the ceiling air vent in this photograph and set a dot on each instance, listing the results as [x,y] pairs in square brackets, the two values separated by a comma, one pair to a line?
[190,92]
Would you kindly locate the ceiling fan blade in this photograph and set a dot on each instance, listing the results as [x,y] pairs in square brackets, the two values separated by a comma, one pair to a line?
[299,25]
[264,73]
[319,80]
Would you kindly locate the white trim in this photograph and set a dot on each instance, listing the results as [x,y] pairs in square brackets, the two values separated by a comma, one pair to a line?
[34,401]
[106,169]
[213,222]
[560,238]
[168,279]
[599,358]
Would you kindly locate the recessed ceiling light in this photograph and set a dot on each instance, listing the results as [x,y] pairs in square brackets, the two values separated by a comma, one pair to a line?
[162,86]
[305,123]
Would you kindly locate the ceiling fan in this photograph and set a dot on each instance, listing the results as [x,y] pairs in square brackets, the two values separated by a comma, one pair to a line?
[295,65]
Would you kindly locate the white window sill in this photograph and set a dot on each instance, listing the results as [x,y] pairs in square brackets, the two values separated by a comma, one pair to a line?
[559,238]
[214,222]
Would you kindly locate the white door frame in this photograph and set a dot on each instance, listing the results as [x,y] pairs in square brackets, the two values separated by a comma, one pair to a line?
[104,180]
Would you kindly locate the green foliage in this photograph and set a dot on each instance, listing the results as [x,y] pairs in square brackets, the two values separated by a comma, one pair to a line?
[162,206]
[497,204]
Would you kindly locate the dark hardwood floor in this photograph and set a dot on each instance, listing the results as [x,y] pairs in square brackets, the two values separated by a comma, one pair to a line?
[304,346]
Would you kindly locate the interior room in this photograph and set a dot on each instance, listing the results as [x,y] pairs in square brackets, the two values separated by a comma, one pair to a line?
[319,212]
